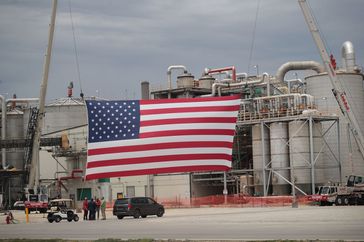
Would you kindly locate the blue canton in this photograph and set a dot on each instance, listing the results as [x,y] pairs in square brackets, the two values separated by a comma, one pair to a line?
[113,120]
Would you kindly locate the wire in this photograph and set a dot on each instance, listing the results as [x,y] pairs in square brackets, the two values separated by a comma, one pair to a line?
[75,50]
[253,37]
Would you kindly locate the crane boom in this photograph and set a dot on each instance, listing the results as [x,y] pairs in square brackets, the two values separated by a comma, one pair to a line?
[33,180]
[339,94]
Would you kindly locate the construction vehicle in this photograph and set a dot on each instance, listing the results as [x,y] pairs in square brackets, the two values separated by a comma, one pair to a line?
[32,168]
[352,193]
[326,196]
[37,202]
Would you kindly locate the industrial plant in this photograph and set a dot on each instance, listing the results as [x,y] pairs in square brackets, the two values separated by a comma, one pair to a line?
[289,133]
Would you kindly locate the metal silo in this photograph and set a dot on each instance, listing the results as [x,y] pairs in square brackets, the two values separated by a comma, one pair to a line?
[259,156]
[15,130]
[351,160]
[300,154]
[64,113]
[279,152]
[299,150]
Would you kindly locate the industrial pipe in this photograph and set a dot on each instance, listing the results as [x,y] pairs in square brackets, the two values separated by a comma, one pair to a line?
[348,56]
[242,75]
[3,129]
[265,74]
[230,68]
[169,73]
[298,65]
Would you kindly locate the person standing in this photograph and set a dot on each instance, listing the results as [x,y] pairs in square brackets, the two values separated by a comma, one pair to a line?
[85,208]
[98,204]
[92,209]
[103,208]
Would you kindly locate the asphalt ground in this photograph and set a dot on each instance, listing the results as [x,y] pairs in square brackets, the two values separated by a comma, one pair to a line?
[344,223]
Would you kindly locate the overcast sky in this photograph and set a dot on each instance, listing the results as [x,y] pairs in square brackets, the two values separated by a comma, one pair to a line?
[122,42]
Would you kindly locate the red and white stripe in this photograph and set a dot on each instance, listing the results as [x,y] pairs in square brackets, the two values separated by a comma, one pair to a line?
[176,135]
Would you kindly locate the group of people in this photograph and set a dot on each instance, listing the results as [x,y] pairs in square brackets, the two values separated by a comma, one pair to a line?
[92,208]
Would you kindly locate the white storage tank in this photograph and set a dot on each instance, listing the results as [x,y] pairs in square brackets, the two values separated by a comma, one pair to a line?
[300,156]
[279,151]
[320,87]
[185,80]
[14,130]
[64,113]
[206,82]
[259,157]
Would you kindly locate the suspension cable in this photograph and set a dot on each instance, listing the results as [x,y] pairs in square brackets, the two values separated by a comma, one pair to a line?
[253,37]
[75,50]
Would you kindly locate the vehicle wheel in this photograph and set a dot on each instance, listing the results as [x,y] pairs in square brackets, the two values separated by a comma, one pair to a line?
[136,213]
[160,212]
[69,219]
[43,210]
[144,216]
[50,220]
[346,201]
[120,217]
[339,201]
[76,218]
[57,219]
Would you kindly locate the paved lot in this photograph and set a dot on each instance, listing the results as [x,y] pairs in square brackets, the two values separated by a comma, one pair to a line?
[324,223]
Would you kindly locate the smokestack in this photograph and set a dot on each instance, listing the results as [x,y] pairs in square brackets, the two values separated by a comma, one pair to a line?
[145,90]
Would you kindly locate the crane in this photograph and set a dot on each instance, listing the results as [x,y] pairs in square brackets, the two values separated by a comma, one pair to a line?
[34,171]
[337,90]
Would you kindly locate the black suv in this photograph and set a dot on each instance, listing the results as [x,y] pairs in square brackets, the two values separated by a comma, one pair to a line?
[136,207]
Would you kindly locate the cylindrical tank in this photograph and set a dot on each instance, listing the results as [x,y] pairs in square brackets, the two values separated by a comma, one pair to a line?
[63,114]
[279,151]
[185,80]
[320,87]
[15,156]
[300,154]
[206,82]
[14,130]
[259,157]
[299,150]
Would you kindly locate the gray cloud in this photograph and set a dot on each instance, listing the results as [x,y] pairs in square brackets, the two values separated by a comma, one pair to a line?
[121,43]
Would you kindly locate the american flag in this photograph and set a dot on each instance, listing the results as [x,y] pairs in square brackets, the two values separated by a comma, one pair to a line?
[139,137]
